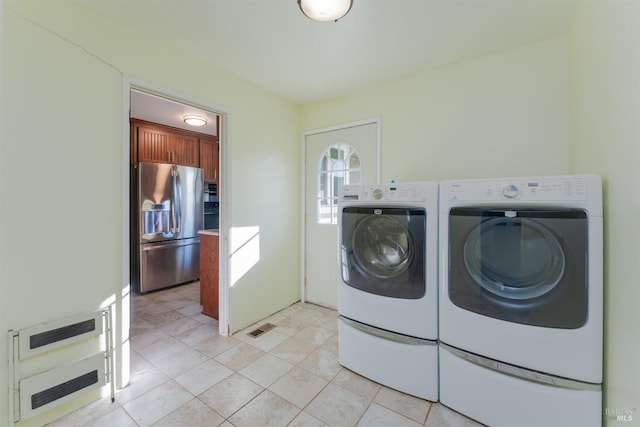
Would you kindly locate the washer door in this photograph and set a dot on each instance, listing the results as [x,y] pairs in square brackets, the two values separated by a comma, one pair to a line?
[382,246]
[383,250]
[524,266]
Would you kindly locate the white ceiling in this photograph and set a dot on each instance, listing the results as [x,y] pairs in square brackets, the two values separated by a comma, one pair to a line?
[154,109]
[273,45]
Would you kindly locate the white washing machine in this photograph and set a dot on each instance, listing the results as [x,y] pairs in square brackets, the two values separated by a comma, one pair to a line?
[521,270]
[388,284]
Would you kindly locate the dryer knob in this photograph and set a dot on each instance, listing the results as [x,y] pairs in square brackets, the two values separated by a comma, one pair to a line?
[377,194]
[510,191]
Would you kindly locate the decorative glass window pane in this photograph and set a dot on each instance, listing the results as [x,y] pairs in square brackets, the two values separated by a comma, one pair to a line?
[340,164]
[354,161]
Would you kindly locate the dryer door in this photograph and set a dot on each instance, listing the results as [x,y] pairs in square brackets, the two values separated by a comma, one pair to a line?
[525,266]
[383,250]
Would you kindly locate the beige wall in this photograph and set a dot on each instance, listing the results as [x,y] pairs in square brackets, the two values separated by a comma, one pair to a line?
[62,170]
[605,138]
[499,115]
[60,245]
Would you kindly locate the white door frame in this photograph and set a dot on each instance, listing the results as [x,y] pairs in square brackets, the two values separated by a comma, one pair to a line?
[225,189]
[376,121]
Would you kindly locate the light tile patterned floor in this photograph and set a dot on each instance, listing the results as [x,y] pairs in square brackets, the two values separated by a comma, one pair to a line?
[184,374]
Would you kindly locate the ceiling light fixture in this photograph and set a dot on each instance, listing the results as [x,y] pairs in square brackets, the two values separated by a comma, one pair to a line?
[195,120]
[325,10]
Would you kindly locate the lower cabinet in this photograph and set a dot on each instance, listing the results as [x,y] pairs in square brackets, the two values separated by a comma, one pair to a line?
[209,274]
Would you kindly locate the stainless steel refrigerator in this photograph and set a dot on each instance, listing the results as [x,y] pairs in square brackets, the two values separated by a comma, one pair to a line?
[166,214]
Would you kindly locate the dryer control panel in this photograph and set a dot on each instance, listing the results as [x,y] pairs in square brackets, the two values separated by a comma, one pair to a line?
[521,189]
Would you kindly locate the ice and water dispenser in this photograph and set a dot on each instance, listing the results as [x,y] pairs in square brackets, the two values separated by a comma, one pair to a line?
[156,217]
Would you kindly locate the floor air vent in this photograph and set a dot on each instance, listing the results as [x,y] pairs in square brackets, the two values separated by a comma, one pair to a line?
[261,330]
[38,383]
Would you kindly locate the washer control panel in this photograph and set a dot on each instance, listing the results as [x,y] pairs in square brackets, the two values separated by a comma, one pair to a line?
[523,189]
[383,192]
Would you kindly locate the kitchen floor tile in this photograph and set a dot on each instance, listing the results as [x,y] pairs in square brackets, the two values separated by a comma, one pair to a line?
[197,334]
[141,382]
[117,417]
[331,344]
[290,326]
[86,414]
[329,321]
[305,420]
[154,405]
[323,363]
[266,370]
[441,416]
[268,340]
[191,309]
[377,415]
[177,363]
[337,406]
[179,326]
[298,386]
[178,303]
[293,350]
[307,315]
[357,384]
[409,406]
[316,335]
[239,356]
[213,346]
[193,413]
[203,376]
[230,394]
[266,410]
[146,338]
[162,348]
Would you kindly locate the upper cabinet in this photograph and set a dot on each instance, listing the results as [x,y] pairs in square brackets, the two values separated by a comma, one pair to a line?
[150,144]
[209,158]
[186,151]
[155,143]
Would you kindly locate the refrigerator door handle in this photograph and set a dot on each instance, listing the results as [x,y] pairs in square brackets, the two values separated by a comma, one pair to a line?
[176,214]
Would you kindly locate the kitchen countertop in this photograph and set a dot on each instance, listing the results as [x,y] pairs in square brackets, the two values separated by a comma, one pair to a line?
[210,232]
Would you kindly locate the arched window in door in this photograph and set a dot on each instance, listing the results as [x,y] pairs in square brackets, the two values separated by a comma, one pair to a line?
[340,164]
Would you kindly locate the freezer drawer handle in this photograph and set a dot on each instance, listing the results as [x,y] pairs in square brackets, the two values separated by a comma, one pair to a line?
[169,245]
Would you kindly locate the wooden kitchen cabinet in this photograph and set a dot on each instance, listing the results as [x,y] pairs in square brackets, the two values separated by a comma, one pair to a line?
[186,151]
[209,274]
[155,143]
[209,158]
[152,143]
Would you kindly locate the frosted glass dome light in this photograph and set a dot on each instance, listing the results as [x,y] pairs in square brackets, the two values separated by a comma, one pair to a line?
[195,120]
[325,10]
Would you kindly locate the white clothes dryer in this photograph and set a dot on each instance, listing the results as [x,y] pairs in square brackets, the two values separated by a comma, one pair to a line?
[521,297]
[388,282]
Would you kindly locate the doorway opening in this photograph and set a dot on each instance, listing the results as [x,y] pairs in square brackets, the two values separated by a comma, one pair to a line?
[222,116]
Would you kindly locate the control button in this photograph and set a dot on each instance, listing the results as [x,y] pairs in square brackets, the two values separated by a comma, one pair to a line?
[377,194]
[510,191]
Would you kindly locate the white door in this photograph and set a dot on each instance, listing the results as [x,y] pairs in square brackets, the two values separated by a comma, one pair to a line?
[346,155]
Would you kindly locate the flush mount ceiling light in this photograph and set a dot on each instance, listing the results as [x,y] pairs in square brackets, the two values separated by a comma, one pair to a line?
[325,10]
[194,120]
